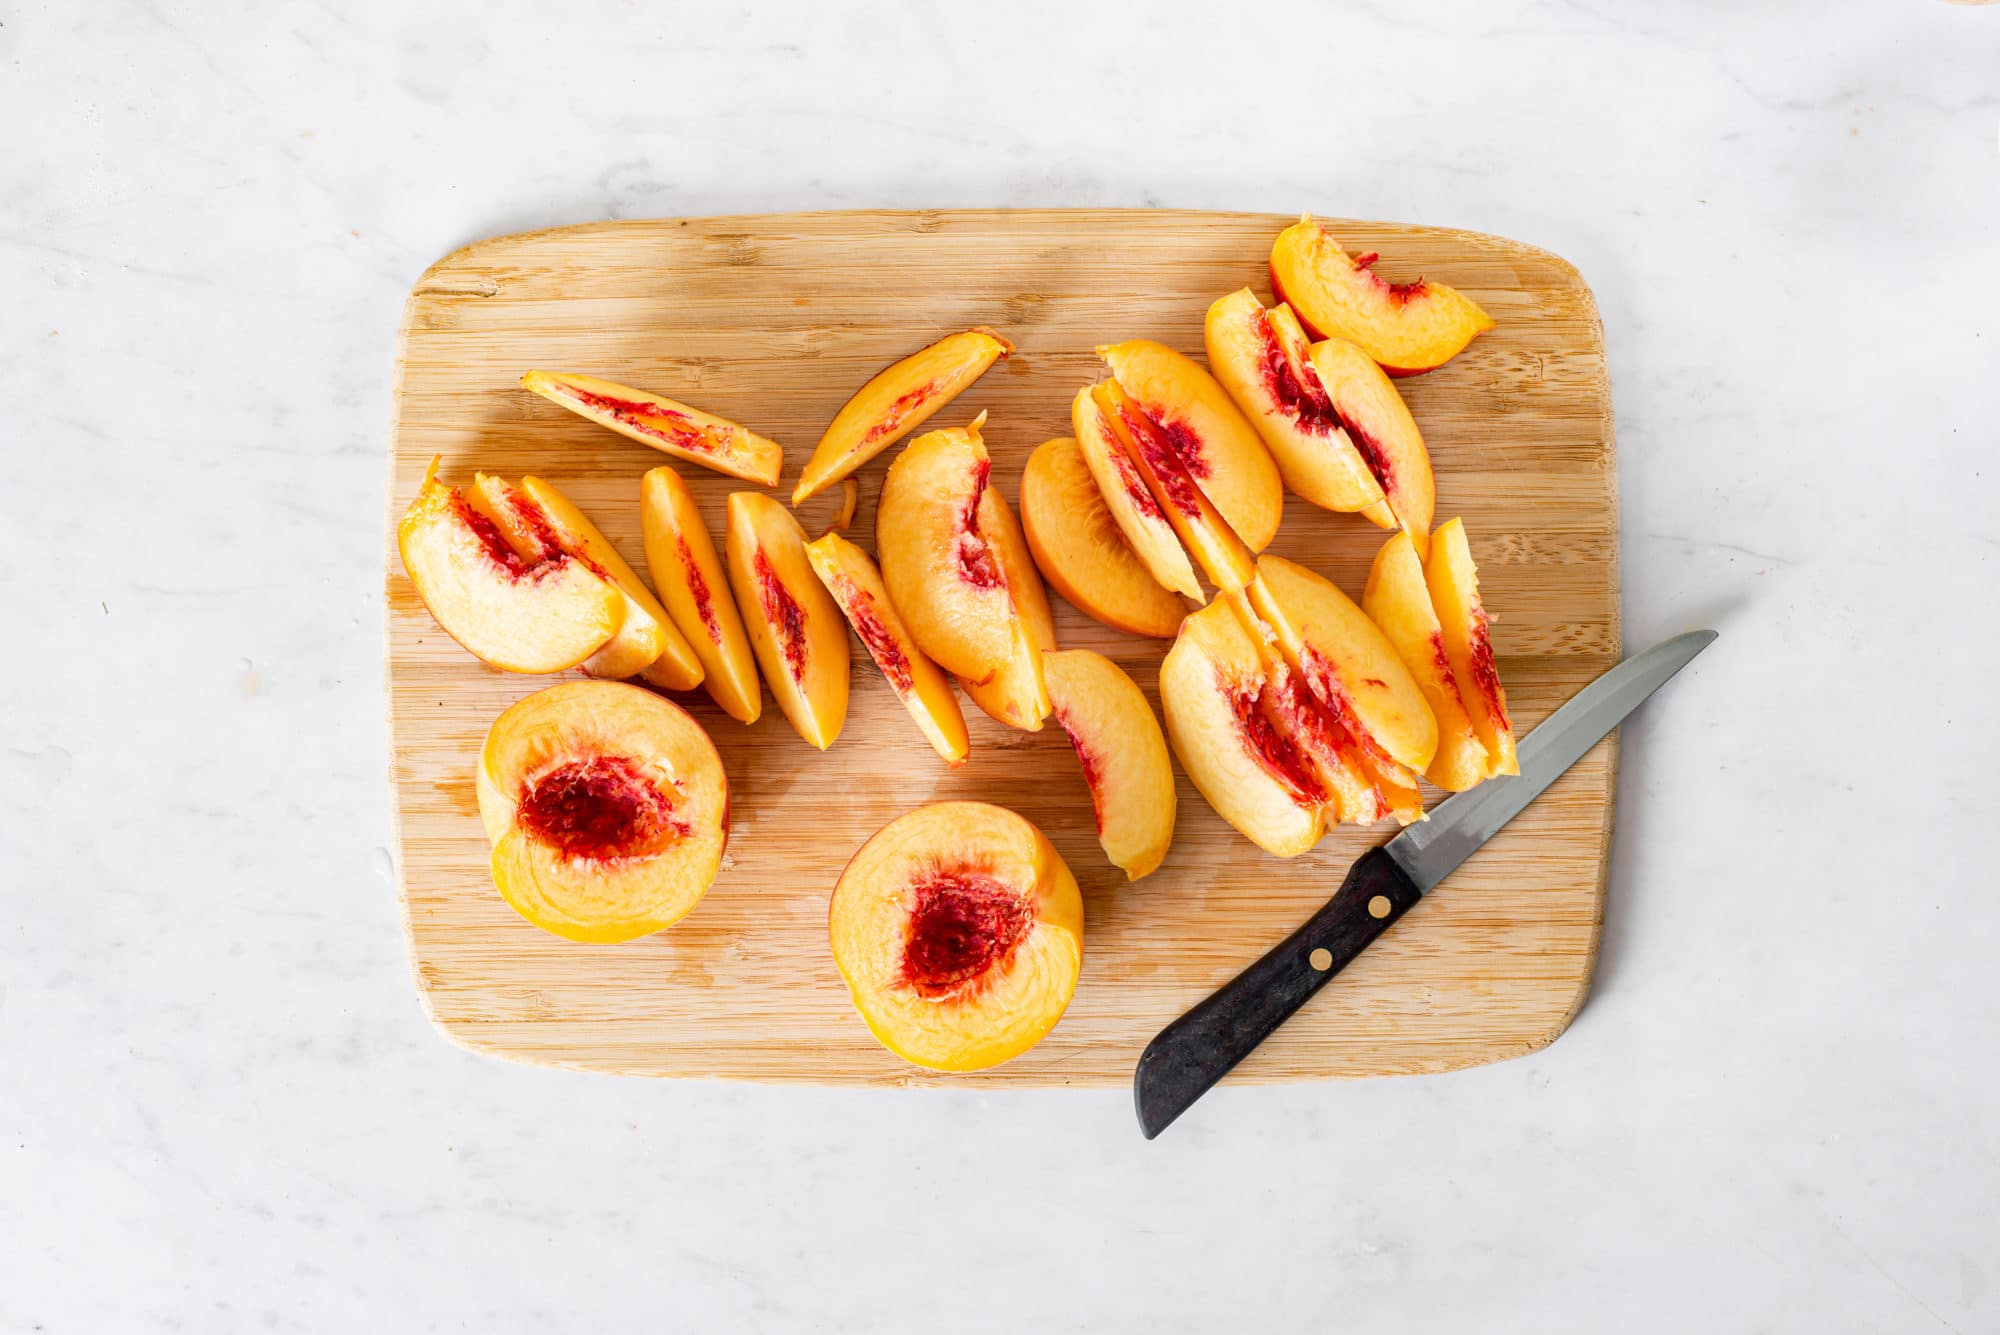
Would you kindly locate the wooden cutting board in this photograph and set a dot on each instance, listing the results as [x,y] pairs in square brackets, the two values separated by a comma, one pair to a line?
[774,321]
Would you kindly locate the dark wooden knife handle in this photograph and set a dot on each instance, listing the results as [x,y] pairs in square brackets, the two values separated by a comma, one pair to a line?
[1187,1057]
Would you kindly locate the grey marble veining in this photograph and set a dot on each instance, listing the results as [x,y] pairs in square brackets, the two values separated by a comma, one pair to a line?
[220,1105]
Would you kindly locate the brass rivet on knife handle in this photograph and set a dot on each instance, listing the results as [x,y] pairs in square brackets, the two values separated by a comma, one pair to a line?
[1379,906]
[1321,959]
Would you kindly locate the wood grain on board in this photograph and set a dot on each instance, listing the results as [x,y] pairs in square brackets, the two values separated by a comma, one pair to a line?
[774,321]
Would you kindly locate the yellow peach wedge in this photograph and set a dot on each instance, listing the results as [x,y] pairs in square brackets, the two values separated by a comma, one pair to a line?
[855,583]
[540,613]
[796,630]
[1398,600]
[959,932]
[1129,500]
[1408,328]
[1378,422]
[1217,548]
[1123,754]
[1080,549]
[1454,584]
[607,808]
[695,590]
[669,427]
[897,401]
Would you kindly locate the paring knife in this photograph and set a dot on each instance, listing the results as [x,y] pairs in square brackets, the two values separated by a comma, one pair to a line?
[1195,1051]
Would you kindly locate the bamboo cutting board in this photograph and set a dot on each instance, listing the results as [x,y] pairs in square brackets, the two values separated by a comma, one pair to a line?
[774,321]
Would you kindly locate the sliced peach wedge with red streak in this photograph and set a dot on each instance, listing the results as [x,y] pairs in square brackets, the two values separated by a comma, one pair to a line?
[900,398]
[695,590]
[1129,500]
[1080,550]
[1216,445]
[1379,423]
[1454,584]
[1262,358]
[1408,328]
[1123,754]
[1217,548]
[670,427]
[855,583]
[796,630]
[1398,601]
[607,808]
[543,612]
[959,932]
[959,574]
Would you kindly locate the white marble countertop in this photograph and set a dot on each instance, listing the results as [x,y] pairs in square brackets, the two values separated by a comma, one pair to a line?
[221,1107]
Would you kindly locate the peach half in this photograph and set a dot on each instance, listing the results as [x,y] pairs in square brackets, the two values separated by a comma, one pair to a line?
[1379,424]
[540,613]
[1214,442]
[897,401]
[1221,553]
[1454,584]
[695,590]
[1262,359]
[607,809]
[670,427]
[1398,601]
[1129,500]
[1079,548]
[855,583]
[1123,754]
[796,630]
[957,570]
[1407,328]
[534,516]
[959,932]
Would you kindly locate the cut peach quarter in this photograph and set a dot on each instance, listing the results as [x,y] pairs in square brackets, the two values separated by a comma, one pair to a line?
[1123,754]
[1217,446]
[695,590]
[1261,357]
[1398,601]
[1129,500]
[542,612]
[1407,328]
[1216,547]
[959,932]
[1225,723]
[796,630]
[670,427]
[855,583]
[954,568]
[1080,549]
[897,401]
[607,809]
[1379,424]
[1454,584]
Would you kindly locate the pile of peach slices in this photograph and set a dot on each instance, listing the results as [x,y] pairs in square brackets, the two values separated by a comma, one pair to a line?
[957,926]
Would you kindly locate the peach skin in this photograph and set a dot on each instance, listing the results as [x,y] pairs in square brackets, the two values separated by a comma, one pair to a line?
[669,427]
[1407,328]
[897,401]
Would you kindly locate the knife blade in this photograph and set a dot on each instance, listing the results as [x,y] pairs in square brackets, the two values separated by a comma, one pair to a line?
[1187,1058]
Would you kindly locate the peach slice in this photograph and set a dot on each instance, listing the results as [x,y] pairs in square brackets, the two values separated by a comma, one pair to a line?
[1129,500]
[540,613]
[1079,548]
[958,572]
[689,575]
[855,583]
[796,630]
[1379,424]
[1123,753]
[897,401]
[1262,359]
[1227,723]
[669,427]
[1408,328]
[1217,548]
[1215,443]
[959,932]
[1454,586]
[1398,600]
[607,808]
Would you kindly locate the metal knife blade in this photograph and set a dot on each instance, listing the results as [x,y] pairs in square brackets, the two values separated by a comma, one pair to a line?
[1190,1055]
